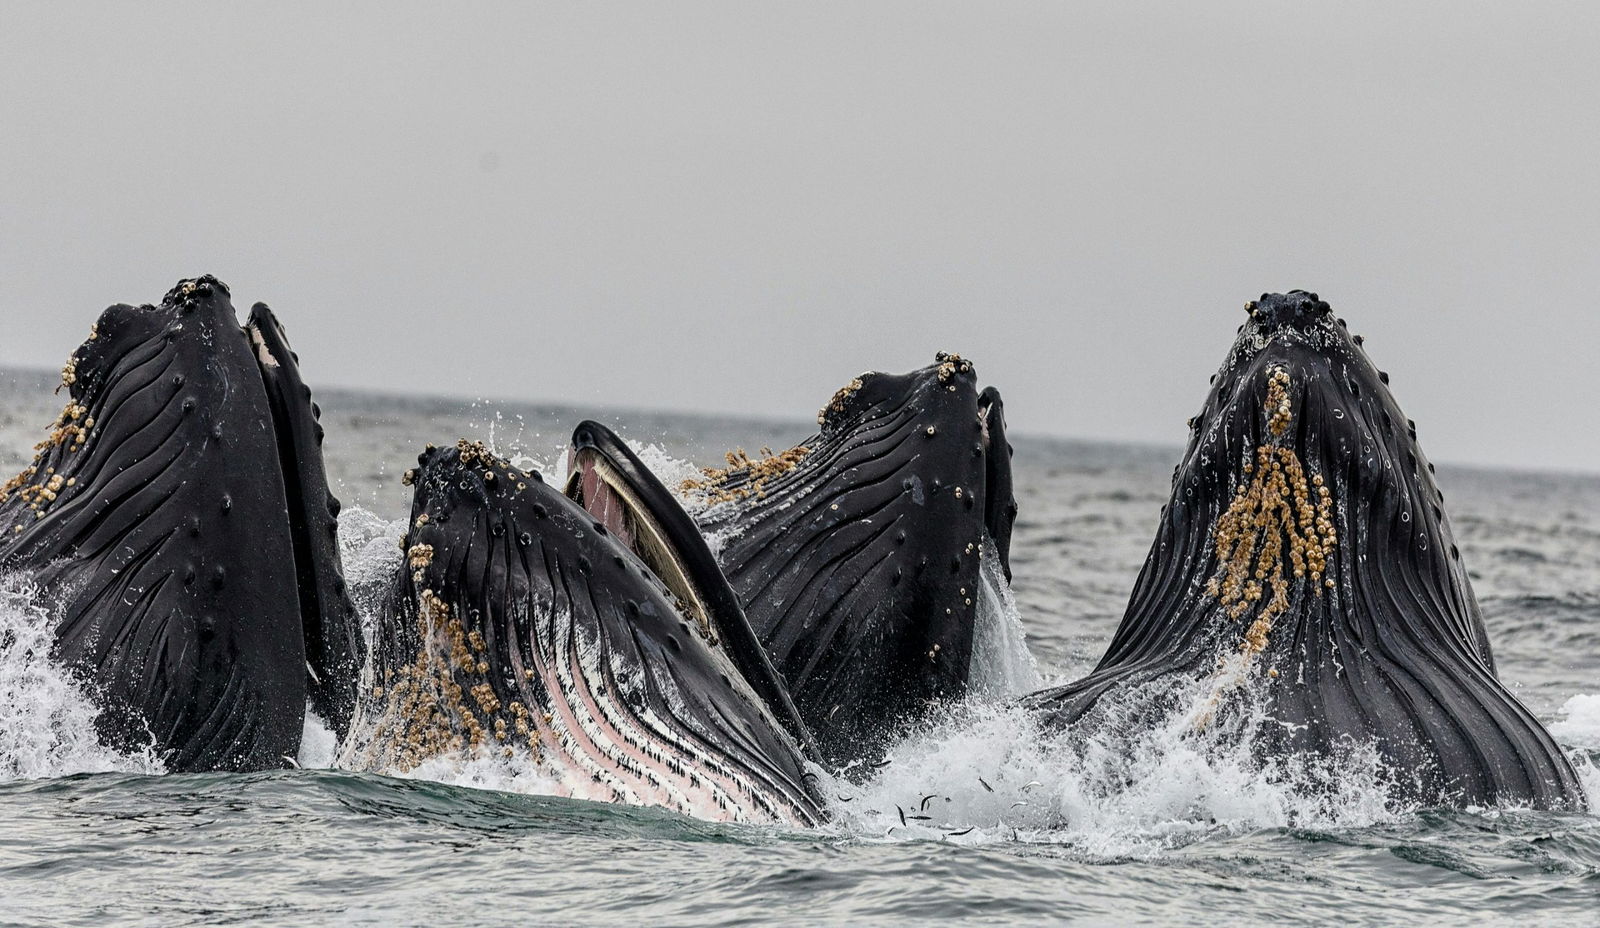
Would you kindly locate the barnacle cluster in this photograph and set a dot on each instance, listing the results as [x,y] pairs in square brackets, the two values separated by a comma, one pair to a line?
[69,431]
[476,454]
[442,701]
[1278,402]
[754,473]
[951,364]
[836,405]
[1280,511]
[419,556]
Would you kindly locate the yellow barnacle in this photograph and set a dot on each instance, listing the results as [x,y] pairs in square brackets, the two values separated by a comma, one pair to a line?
[1272,513]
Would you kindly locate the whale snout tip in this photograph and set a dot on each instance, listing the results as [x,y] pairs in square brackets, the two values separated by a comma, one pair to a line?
[191,289]
[1297,308]
[948,364]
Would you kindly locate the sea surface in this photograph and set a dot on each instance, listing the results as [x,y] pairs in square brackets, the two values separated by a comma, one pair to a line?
[978,819]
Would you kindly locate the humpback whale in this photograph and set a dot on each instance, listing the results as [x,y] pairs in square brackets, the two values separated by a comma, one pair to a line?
[856,553]
[524,623]
[1305,566]
[179,519]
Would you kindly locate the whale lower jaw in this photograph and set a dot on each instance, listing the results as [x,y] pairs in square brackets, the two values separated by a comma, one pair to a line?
[588,728]
[599,746]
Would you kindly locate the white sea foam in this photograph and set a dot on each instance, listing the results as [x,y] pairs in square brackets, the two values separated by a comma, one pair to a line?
[319,746]
[670,470]
[519,773]
[1579,725]
[46,719]
[1579,729]
[992,773]
[369,547]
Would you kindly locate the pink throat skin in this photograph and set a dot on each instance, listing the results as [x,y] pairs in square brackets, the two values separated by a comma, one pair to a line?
[600,500]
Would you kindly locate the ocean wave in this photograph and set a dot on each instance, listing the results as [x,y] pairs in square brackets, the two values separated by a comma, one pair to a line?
[1579,725]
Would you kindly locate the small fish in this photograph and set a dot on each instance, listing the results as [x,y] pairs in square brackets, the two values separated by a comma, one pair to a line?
[986,785]
[925,800]
[882,763]
[1031,785]
[920,818]
[902,814]
[957,834]
[1019,802]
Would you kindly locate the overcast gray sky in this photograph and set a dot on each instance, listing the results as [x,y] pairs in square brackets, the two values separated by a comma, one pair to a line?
[738,206]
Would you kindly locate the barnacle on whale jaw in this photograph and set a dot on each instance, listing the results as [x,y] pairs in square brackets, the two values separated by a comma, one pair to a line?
[1278,510]
[744,477]
[836,405]
[1275,510]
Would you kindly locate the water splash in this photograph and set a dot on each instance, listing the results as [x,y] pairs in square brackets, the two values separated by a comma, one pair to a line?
[319,746]
[1002,666]
[369,548]
[1579,726]
[1579,729]
[519,773]
[46,719]
[672,471]
[1124,785]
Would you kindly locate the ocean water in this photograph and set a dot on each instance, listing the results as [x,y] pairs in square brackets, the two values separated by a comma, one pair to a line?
[978,818]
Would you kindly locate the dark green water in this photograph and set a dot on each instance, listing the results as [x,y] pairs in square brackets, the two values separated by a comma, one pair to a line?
[1161,830]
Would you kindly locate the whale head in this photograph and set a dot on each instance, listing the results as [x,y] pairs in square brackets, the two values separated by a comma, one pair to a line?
[1305,562]
[858,554]
[521,624]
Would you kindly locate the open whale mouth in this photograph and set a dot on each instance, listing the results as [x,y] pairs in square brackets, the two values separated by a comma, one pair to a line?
[521,623]
[606,483]
[609,481]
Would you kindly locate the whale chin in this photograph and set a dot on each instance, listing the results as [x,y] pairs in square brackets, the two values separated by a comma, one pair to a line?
[1304,567]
